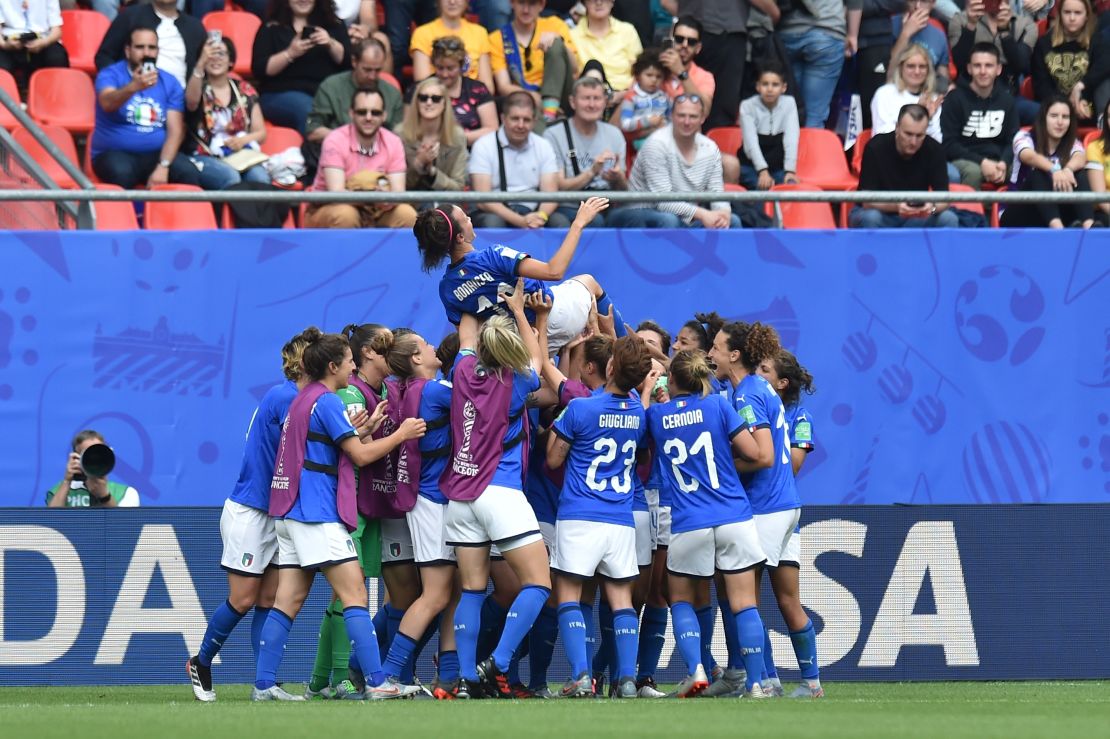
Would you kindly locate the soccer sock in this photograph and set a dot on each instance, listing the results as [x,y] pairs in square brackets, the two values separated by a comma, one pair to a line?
[409,672]
[492,625]
[588,619]
[805,649]
[522,614]
[572,630]
[706,617]
[393,618]
[605,655]
[603,304]
[364,643]
[750,634]
[626,636]
[541,646]
[219,628]
[468,616]
[769,656]
[257,622]
[340,643]
[381,628]
[653,627]
[728,621]
[400,652]
[271,648]
[321,668]
[687,634]
[448,666]
[512,673]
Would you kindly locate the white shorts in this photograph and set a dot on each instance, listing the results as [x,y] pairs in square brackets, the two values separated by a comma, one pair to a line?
[570,309]
[733,547]
[313,545]
[792,555]
[663,527]
[250,542]
[426,528]
[586,548]
[500,516]
[775,530]
[547,531]
[396,541]
[652,497]
[643,537]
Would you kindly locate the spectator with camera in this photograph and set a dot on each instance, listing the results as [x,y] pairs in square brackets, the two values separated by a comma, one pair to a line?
[85,483]
[684,77]
[30,35]
[180,37]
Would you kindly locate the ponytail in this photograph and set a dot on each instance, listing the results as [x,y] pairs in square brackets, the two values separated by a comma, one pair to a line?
[798,379]
[690,373]
[435,231]
[292,354]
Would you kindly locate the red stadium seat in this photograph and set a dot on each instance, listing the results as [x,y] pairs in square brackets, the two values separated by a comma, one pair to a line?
[279,138]
[62,140]
[821,161]
[86,163]
[1027,89]
[815,215]
[62,97]
[240,27]
[7,84]
[227,221]
[179,216]
[82,32]
[114,215]
[727,138]
[1091,136]
[857,150]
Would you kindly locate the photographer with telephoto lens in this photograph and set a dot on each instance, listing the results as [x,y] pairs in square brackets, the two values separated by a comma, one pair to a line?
[85,482]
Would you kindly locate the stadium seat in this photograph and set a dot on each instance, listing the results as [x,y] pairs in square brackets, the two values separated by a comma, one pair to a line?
[857,150]
[821,161]
[727,138]
[279,138]
[112,215]
[169,216]
[62,97]
[976,207]
[240,27]
[86,163]
[387,77]
[36,152]
[1091,136]
[7,84]
[226,220]
[82,32]
[1027,89]
[815,215]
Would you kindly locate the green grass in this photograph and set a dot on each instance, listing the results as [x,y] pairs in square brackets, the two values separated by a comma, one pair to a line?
[891,711]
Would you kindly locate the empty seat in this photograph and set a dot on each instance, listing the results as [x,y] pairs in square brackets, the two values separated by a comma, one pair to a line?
[62,97]
[7,84]
[179,216]
[38,154]
[82,32]
[727,138]
[280,138]
[802,215]
[821,161]
[114,215]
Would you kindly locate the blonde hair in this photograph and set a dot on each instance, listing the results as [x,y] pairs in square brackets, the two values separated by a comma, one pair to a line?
[906,53]
[292,354]
[690,371]
[499,345]
[1085,34]
[450,134]
[400,354]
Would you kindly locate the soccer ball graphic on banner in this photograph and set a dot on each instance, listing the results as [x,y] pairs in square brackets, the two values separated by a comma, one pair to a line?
[996,314]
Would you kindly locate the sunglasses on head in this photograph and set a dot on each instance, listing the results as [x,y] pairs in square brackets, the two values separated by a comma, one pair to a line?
[687,98]
[447,44]
[425,98]
[680,40]
[373,112]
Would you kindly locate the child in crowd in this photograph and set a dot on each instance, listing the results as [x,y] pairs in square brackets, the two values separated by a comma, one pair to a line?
[770,128]
[645,107]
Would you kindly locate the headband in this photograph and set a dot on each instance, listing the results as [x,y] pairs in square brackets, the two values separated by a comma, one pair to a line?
[450,226]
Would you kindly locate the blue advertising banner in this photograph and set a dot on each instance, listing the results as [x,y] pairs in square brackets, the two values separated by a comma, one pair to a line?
[947,371]
[895,592]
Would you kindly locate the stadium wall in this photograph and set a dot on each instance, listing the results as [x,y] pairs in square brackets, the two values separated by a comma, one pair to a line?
[896,593]
[951,366]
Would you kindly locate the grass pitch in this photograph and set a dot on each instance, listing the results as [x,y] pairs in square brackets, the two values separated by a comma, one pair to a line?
[901,711]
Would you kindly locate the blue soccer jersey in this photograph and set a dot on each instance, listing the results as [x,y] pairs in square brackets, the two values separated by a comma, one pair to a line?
[263,436]
[541,491]
[435,446]
[474,284]
[692,437]
[801,428]
[316,500]
[510,471]
[771,489]
[604,432]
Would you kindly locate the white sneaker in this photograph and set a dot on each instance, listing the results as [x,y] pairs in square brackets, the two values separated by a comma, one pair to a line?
[648,689]
[757,692]
[273,693]
[809,689]
[391,688]
[693,684]
[201,679]
[729,682]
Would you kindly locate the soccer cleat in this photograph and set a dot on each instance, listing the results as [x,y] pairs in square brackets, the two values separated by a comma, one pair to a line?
[808,690]
[626,688]
[273,693]
[757,693]
[580,687]
[325,693]
[693,685]
[347,690]
[599,684]
[391,688]
[469,690]
[727,683]
[494,680]
[356,678]
[646,688]
[521,691]
[543,693]
[716,673]
[445,691]
[201,678]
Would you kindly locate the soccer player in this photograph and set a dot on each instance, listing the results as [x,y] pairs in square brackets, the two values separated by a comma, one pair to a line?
[414,363]
[738,349]
[493,375]
[697,434]
[599,438]
[312,498]
[250,543]
[790,379]
[477,280]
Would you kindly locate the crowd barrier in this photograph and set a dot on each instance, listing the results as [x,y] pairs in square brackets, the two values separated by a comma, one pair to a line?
[951,367]
[895,592]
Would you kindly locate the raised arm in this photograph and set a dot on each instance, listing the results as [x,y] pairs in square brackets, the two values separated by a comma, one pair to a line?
[556,268]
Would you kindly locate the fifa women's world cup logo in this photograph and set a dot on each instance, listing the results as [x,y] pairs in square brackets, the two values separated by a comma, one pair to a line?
[463,463]
[281,480]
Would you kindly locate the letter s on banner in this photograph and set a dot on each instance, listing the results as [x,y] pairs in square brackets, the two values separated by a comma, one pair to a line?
[69,614]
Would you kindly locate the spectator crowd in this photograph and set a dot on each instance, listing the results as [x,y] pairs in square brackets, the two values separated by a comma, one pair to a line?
[537,96]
